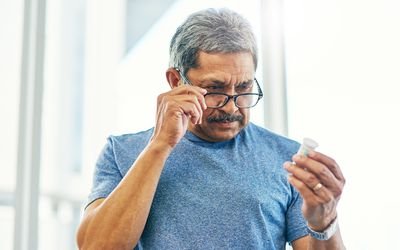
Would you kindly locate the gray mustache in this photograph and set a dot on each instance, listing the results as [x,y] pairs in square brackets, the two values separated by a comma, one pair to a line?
[225,118]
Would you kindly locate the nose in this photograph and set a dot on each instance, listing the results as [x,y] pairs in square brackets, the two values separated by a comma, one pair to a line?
[230,106]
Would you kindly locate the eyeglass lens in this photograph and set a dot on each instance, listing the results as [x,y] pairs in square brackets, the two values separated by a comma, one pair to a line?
[214,100]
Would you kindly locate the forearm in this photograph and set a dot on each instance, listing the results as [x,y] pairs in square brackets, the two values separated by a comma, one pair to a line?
[334,243]
[118,221]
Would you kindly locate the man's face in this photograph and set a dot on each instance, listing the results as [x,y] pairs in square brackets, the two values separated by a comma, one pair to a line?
[224,73]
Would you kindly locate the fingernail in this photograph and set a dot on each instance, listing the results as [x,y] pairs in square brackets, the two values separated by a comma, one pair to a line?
[298,157]
[287,165]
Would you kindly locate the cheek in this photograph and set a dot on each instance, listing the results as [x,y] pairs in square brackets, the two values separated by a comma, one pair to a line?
[246,115]
[207,113]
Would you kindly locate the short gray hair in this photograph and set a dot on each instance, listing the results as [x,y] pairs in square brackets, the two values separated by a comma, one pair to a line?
[211,31]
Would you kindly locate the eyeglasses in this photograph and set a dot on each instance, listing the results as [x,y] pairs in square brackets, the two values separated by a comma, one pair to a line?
[218,100]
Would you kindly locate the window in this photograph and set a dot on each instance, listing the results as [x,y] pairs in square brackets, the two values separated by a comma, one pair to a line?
[61,190]
[11,18]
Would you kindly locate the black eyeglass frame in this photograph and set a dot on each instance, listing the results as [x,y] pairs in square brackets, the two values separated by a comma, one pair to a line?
[229,97]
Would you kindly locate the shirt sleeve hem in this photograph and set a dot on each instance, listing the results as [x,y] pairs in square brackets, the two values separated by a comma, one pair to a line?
[300,233]
[93,199]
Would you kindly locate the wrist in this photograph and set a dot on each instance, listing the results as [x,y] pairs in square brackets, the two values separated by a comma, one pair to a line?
[326,233]
[322,225]
[159,148]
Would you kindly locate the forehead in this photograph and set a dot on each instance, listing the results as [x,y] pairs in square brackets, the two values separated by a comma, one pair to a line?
[226,67]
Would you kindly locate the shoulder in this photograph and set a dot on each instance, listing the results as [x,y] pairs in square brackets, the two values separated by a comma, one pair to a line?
[131,140]
[125,148]
[270,139]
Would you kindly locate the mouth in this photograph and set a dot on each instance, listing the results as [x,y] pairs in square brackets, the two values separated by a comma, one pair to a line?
[224,124]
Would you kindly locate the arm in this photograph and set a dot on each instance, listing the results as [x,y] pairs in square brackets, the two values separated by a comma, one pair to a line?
[319,201]
[309,243]
[117,221]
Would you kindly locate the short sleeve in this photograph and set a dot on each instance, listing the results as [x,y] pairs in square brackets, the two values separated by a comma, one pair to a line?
[296,224]
[106,175]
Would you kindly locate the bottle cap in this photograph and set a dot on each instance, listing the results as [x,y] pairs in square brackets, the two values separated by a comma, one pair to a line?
[310,143]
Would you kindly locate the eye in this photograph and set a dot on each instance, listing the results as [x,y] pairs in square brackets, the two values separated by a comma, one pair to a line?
[215,87]
[244,86]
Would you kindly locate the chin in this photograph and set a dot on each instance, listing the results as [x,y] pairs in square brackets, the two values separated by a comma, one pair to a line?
[222,136]
[215,132]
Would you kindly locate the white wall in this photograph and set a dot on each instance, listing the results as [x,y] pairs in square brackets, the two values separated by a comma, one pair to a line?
[343,61]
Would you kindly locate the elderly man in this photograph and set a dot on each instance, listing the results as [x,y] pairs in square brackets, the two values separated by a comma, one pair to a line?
[205,177]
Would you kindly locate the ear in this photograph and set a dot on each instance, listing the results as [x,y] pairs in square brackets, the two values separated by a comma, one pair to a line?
[173,77]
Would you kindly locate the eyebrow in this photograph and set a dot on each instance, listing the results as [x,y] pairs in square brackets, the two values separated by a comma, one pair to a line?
[215,81]
[219,82]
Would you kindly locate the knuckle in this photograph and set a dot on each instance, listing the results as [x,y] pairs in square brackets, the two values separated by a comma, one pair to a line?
[323,172]
[311,179]
[160,98]
[338,192]
[327,201]
[302,186]
[163,98]
[334,163]
[195,114]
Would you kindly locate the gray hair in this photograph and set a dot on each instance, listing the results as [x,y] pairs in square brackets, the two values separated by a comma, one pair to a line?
[211,31]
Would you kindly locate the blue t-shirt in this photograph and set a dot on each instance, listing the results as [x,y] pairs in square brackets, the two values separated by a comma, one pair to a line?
[224,195]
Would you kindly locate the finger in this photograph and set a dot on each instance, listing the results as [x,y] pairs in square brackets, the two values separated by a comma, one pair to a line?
[190,107]
[199,109]
[199,93]
[302,174]
[192,111]
[310,197]
[320,171]
[185,89]
[188,99]
[200,97]
[319,207]
[308,178]
[191,90]
[329,162]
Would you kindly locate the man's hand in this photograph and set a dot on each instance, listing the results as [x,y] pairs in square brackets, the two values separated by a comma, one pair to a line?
[175,109]
[320,182]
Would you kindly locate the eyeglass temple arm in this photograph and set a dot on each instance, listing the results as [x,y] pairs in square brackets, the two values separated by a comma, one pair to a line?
[260,93]
[185,80]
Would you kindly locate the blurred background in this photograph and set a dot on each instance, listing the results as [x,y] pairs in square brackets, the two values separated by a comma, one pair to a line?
[73,72]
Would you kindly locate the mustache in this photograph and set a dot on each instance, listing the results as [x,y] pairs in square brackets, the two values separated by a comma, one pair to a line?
[225,118]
